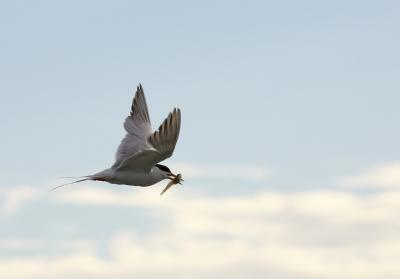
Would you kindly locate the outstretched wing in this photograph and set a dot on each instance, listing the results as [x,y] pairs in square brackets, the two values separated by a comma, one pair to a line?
[138,128]
[161,145]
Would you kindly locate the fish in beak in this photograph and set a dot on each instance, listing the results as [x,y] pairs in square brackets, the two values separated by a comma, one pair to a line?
[175,179]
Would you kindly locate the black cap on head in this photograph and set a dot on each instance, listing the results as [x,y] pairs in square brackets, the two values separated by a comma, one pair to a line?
[163,168]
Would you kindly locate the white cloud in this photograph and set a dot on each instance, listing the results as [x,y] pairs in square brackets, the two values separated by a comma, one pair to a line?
[385,175]
[18,244]
[15,198]
[315,234]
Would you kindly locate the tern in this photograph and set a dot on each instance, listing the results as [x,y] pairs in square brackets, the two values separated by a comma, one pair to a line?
[142,149]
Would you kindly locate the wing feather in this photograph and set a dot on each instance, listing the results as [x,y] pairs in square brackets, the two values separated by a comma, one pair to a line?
[164,140]
[138,122]
[161,145]
[137,126]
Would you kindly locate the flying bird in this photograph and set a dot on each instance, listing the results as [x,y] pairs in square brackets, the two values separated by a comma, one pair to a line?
[142,149]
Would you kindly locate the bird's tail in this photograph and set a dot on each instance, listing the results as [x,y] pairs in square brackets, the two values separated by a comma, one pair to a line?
[77,181]
[104,175]
[64,177]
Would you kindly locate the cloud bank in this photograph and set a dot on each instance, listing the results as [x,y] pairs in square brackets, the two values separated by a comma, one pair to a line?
[314,234]
[379,176]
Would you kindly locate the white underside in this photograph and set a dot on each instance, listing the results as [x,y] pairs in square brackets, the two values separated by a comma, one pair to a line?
[134,179]
[130,177]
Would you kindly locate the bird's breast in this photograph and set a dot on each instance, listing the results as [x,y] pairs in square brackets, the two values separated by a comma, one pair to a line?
[135,178]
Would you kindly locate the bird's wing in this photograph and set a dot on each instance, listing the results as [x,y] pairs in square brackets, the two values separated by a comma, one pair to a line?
[138,128]
[161,145]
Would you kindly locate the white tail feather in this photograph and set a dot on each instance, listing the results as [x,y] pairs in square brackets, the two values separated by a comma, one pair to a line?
[87,178]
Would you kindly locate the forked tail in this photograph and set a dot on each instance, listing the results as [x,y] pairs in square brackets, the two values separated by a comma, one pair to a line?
[77,181]
[104,175]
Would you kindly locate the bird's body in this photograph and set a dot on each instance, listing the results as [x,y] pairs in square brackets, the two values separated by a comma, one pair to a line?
[131,178]
[139,178]
[138,155]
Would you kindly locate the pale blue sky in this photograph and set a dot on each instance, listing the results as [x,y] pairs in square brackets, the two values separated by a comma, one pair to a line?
[307,89]
[294,85]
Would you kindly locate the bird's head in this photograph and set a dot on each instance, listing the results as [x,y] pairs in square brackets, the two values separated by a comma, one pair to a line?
[176,178]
